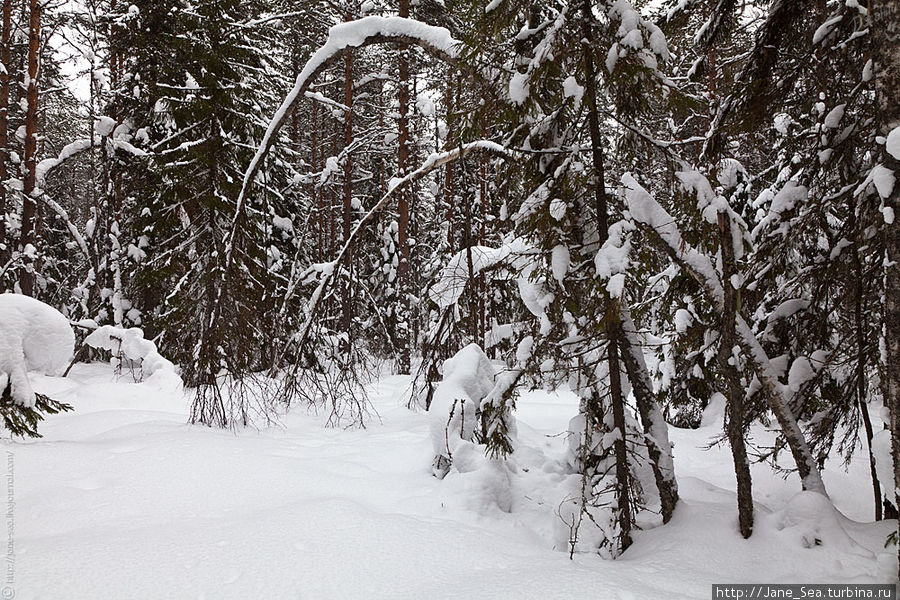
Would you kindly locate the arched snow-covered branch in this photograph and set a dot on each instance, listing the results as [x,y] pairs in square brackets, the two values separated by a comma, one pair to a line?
[435,161]
[352,34]
[342,37]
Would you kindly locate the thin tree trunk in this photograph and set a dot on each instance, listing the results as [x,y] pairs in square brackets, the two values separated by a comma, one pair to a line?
[623,487]
[402,285]
[29,209]
[317,220]
[735,391]
[655,429]
[6,61]
[862,406]
[885,25]
[449,178]
[473,293]
[612,352]
[346,293]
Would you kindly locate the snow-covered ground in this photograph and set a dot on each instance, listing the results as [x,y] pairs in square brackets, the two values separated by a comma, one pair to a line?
[122,499]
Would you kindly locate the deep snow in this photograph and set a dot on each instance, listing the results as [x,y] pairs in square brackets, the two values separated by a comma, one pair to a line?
[122,499]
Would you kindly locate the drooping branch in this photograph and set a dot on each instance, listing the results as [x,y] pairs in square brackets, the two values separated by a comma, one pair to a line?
[70,151]
[341,38]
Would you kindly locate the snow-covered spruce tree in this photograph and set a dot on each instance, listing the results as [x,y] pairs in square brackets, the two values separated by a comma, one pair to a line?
[803,214]
[812,228]
[201,107]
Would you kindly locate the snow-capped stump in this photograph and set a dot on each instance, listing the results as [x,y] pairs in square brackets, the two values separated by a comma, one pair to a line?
[129,344]
[34,337]
[468,376]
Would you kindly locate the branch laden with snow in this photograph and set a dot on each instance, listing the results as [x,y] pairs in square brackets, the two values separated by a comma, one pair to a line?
[326,271]
[647,211]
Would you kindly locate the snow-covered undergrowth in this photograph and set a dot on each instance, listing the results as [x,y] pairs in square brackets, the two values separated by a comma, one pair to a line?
[130,345]
[122,499]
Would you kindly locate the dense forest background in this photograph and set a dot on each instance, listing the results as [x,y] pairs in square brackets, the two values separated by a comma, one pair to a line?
[658,204]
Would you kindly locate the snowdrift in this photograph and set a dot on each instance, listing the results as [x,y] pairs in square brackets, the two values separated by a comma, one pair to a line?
[33,337]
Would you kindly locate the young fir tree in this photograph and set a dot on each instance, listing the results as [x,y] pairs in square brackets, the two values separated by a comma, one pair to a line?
[202,82]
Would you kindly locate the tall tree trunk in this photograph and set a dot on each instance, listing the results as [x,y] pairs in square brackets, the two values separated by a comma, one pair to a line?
[6,61]
[402,285]
[316,200]
[346,292]
[601,205]
[885,25]
[449,178]
[29,209]
[623,477]
[655,429]
[861,393]
[734,390]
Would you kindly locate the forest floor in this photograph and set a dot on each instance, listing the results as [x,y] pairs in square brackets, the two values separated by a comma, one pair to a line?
[123,499]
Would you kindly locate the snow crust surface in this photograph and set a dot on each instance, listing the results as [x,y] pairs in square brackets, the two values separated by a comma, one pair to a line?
[122,499]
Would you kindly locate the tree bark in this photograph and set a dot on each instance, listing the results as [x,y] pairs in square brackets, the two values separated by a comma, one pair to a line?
[655,429]
[861,392]
[402,283]
[316,197]
[6,61]
[29,208]
[449,178]
[885,25]
[346,292]
[734,390]
[623,477]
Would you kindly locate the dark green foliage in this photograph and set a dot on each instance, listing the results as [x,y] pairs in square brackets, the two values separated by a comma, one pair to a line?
[23,421]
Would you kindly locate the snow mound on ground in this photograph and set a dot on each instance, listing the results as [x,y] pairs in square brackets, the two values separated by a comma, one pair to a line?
[714,413]
[810,520]
[33,337]
[329,497]
[130,344]
[468,377]
[487,482]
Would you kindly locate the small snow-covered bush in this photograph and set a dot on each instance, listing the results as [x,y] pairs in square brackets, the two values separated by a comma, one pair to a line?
[468,376]
[34,337]
[455,414]
[130,344]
